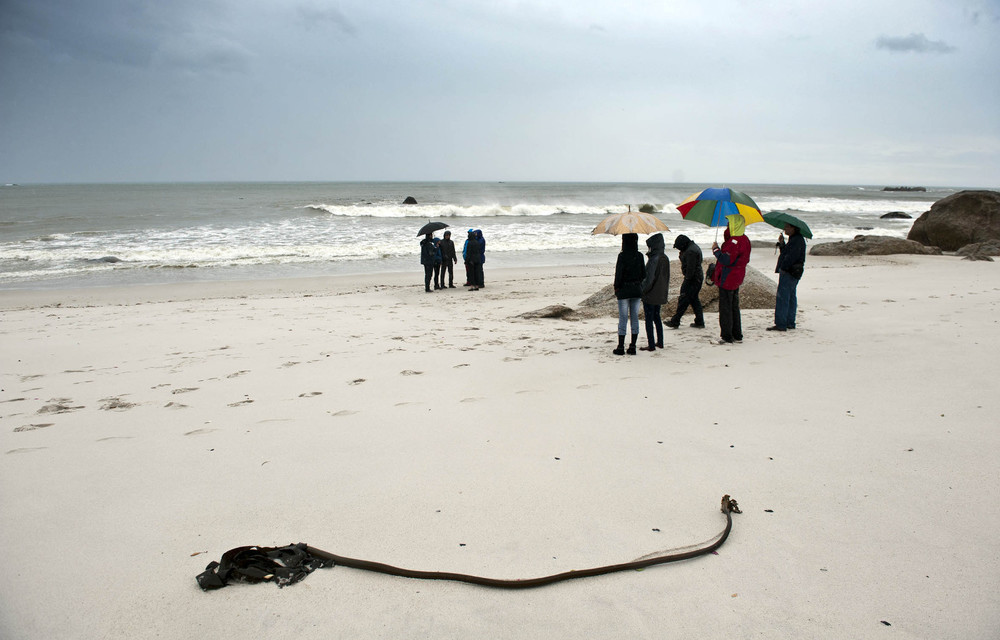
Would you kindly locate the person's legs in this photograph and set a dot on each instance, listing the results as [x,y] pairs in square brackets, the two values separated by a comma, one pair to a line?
[682,305]
[793,304]
[781,300]
[479,275]
[633,312]
[651,312]
[699,315]
[450,268]
[737,318]
[437,276]
[726,315]
[622,325]
[428,273]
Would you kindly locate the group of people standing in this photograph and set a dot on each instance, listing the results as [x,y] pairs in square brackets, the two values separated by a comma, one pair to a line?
[438,257]
[647,281]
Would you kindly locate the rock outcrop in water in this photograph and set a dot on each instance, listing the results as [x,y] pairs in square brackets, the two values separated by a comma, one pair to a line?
[966,217]
[410,200]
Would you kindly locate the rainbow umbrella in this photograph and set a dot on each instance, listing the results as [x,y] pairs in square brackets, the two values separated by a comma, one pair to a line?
[711,206]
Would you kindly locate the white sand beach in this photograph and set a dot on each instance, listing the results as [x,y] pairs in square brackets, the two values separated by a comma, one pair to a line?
[146,430]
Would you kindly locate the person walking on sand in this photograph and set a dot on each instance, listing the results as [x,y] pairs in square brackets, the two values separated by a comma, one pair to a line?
[655,288]
[690,258]
[474,258]
[791,263]
[449,259]
[629,272]
[730,269]
[427,250]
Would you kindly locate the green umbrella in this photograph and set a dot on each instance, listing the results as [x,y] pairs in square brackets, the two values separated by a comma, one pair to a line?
[779,219]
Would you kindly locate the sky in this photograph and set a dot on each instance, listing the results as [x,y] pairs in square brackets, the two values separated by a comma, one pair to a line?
[719,91]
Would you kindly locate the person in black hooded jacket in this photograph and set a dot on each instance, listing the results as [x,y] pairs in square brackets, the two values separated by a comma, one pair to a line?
[690,257]
[629,272]
[655,288]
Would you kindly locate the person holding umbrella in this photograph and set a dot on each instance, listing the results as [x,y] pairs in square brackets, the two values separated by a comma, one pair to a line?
[630,269]
[427,253]
[791,263]
[730,269]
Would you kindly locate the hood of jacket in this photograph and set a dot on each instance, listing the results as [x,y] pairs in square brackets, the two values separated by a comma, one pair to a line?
[737,224]
[682,243]
[630,242]
[655,243]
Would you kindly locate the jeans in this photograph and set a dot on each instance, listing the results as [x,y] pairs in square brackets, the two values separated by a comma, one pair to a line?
[652,312]
[628,309]
[785,303]
[449,268]
[730,323]
[689,296]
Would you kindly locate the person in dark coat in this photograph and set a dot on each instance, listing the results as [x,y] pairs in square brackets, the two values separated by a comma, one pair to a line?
[482,255]
[427,251]
[629,273]
[690,258]
[449,259]
[474,258]
[791,263]
[655,288]
[437,264]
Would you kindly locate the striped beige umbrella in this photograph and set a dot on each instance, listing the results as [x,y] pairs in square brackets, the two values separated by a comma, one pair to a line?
[630,222]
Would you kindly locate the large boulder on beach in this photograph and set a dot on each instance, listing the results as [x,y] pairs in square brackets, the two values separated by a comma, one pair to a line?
[872,246]
[980,251]
[966,217]
[757,292]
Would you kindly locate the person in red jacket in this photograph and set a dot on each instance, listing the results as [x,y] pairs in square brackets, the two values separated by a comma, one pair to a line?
[730,269]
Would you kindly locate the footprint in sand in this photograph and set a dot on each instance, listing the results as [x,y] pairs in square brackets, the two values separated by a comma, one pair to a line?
[238,374]
[311,394]
[240,403]
[109,438]
[357,381]
[59,405]
[184,390]
[32,427]
[511,359]
[471,399]
[14,400]
[32,377]
[410,372]
[114,403]
[343,412]
[175,405]
[26,450]
[198,432]
[290,364]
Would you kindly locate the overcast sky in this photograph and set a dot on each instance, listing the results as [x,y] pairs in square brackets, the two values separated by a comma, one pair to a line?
[718,91]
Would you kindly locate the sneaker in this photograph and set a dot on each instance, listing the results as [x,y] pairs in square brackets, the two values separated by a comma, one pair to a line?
[722,341]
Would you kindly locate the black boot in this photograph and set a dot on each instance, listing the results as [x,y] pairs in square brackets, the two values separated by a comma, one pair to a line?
[631,346]
[620,351]
[673,323]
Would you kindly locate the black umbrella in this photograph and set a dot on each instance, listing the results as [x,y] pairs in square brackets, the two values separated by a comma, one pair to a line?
[431,227]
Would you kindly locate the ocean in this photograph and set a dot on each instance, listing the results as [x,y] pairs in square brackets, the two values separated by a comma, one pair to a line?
[85,235]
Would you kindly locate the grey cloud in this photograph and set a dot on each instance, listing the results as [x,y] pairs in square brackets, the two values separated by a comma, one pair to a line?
[312,16]
[123,32]
[915,42]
